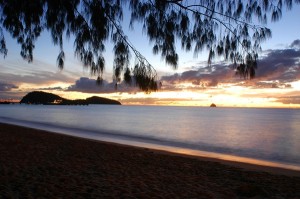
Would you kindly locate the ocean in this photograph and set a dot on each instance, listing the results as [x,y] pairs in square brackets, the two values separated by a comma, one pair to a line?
[262,136]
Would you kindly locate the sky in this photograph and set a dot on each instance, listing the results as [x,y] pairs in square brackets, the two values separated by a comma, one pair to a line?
[277,83]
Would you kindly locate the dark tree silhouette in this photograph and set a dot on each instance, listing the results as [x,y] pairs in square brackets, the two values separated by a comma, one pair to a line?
[223,27]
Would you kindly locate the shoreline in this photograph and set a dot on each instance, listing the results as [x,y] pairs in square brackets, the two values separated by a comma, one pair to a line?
[35,161]
[249,163]
[238,161]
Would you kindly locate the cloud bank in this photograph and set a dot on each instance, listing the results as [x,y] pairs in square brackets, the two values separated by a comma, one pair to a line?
[276,69]
[209,76]
[87,85]
[295,44]
[7,87]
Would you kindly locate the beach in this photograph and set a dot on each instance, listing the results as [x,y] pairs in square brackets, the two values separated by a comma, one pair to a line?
[40,164]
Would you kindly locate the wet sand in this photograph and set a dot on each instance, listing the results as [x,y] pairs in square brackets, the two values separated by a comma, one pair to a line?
[39,164]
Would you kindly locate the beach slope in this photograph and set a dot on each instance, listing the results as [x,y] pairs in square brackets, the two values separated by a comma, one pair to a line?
[39,164]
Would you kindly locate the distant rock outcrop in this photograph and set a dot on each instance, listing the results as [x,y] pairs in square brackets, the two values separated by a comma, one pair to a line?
[39,97]
[101,100]
[213,105]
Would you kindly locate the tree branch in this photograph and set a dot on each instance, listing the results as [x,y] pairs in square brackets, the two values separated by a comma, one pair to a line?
[213,18]
[138,55]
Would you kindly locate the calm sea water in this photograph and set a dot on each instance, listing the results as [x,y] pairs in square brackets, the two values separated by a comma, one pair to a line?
[263,136]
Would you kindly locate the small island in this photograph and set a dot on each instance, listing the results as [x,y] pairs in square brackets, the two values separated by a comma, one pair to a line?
[40,97]
[213,105]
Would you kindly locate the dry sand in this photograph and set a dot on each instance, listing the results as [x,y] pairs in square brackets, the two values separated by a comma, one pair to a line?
[39,164]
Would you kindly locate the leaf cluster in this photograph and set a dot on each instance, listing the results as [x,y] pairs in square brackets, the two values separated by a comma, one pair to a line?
[224,27]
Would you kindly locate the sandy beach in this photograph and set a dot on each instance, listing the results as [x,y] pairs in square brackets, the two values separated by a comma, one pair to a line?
[39,164]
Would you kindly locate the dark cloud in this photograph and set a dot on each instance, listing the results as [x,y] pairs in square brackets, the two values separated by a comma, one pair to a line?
[9,95]
[289,100]
[295,44]
[7,87]
[272,85]
[37,77]
[58,88]
[276,69]
[280,65]
[257,84]
[87,85]
[209,76]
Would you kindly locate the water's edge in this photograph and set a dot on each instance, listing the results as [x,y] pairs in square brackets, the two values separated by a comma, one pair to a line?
[114,137]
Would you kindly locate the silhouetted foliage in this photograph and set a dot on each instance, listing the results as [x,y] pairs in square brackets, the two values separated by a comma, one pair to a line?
[223,27]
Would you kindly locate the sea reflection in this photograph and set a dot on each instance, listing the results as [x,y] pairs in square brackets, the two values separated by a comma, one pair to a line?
[271,135]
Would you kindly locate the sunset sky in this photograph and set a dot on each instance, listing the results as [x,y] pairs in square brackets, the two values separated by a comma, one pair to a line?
[277,83]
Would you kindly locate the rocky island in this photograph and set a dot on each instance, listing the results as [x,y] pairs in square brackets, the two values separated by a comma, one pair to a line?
[213,105]
[40,97]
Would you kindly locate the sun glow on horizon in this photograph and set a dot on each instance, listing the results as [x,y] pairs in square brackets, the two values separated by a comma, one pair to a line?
[189,94]
[189,98]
